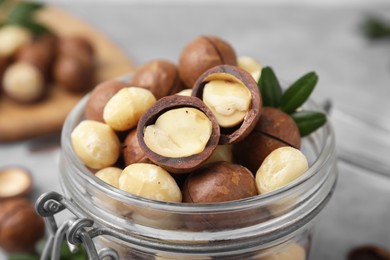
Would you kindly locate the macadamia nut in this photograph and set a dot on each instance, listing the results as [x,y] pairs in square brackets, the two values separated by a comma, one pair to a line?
[185,92]
[229,101]
[279,168]
[96,144]
[149,181]
[251,65]
[110,175]
[179,133]
[12,37]
[125,108]
[23,82]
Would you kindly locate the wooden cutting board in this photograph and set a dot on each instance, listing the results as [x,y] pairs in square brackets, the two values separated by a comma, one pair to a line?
[19,122]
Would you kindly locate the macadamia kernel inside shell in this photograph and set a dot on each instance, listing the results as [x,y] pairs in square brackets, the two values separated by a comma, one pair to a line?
[228,100]
[179,133]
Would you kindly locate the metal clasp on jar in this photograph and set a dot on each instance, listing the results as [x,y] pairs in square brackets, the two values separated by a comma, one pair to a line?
[77,231]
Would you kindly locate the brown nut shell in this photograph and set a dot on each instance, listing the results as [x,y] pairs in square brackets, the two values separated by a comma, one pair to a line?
[74,44]
[40,52]
[132,152]
[235,74]
[275,129]
[217,183]
[99,97]
[368,252]
[74,73]
[15,182]
[202,54]
[183,164]
[161,77]
[20,226]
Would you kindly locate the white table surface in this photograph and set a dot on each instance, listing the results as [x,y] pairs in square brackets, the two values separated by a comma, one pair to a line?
[293,39]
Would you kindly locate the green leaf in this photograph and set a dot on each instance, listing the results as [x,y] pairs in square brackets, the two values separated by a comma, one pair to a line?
[23,11]
[2,2]
[375,28]
[34,27]
[22,256]
[270,89]
[308,121]
[298,92]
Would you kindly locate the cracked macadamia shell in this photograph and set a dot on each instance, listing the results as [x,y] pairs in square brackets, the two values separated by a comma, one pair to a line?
[177,164]
[233,76]
[274,129]
[202,54]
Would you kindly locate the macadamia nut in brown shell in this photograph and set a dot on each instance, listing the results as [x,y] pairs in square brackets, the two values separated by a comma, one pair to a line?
[178,133]
[234,98]
[202,54]
[161,77]
[20,226]
[274,129]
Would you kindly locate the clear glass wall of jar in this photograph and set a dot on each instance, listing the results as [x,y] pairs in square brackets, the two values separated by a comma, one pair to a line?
[276,223]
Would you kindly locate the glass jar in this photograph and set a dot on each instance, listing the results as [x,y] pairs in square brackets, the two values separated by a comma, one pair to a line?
[271,225]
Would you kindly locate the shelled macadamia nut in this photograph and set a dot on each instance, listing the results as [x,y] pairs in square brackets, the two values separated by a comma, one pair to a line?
[251,65]
[15,181]
[12,37]
[279,168]
[274,129]
[161,77]
[149,181]
[20,226]
[23,82]
[178,133]
[185,92]
[110,175]
[96,144]
[125,107]
[202,54]
[234,98]
[99,97]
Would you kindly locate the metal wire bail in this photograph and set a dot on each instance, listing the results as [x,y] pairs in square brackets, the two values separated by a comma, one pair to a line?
[78,231]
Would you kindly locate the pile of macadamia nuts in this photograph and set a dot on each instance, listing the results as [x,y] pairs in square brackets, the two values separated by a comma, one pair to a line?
[202,120]
[31,64]
[195,132]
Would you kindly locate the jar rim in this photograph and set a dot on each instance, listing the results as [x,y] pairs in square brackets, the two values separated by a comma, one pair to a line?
[325,154]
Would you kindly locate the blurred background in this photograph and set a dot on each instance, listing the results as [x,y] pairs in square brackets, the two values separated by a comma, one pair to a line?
[293,37]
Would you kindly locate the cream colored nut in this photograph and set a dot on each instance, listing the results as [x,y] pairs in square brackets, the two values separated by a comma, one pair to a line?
[110,175]
[96,144]
[229,101]
[126,107]
[221,153]
[251,65]
[280,167]
[185,92]
[23,82]
[13,37]
[179,133]
[149,181]
[293,251]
